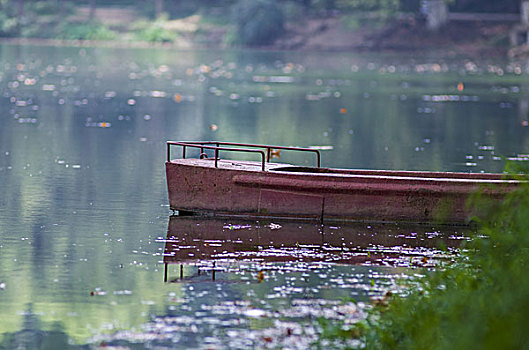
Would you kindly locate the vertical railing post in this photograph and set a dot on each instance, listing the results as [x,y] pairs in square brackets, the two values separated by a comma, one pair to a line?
[216,157]
[262,161]
[217,147]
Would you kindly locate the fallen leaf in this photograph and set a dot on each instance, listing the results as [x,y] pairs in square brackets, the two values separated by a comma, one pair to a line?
[260,276]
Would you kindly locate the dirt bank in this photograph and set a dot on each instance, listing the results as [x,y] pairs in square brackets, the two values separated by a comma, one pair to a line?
[457,38]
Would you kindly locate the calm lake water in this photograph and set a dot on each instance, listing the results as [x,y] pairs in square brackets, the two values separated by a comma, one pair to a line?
[89,255]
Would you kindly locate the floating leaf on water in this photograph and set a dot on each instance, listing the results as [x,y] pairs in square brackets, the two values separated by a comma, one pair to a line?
[267,339]
[97,291]
[260,276]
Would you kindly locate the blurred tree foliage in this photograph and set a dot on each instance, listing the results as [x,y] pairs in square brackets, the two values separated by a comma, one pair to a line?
[512,6]
[9,20]
[355,5]
[257,22]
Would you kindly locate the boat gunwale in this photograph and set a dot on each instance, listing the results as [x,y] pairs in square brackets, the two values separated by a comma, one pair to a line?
[336,173]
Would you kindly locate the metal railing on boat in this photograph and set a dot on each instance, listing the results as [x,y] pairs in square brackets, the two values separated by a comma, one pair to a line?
[218,146]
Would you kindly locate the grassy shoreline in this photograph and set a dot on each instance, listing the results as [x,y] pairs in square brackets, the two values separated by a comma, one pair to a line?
[480,302]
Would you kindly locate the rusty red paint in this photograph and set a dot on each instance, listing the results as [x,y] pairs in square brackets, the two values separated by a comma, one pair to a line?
[226,187]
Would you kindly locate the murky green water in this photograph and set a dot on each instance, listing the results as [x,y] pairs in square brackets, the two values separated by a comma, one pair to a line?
[86,239]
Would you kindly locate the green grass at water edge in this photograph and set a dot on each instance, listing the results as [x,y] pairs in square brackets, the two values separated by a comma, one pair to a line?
[481,302]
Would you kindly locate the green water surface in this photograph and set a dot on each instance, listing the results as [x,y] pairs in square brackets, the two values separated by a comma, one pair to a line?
[83,204]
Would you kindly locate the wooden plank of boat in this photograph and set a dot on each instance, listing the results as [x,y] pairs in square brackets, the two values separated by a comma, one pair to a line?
[254,189]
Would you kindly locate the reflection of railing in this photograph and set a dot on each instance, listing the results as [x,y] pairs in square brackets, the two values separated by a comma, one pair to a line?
[217,146]
[211,246]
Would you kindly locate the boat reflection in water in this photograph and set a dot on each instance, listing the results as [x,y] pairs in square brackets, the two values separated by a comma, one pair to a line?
[212,244]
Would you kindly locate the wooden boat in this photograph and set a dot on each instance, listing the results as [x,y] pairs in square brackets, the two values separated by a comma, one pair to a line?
[212,185]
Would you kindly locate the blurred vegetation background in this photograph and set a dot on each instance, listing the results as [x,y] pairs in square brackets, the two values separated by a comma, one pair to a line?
[216,22]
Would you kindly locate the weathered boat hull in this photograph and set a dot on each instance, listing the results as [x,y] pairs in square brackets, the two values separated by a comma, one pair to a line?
[235,188]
